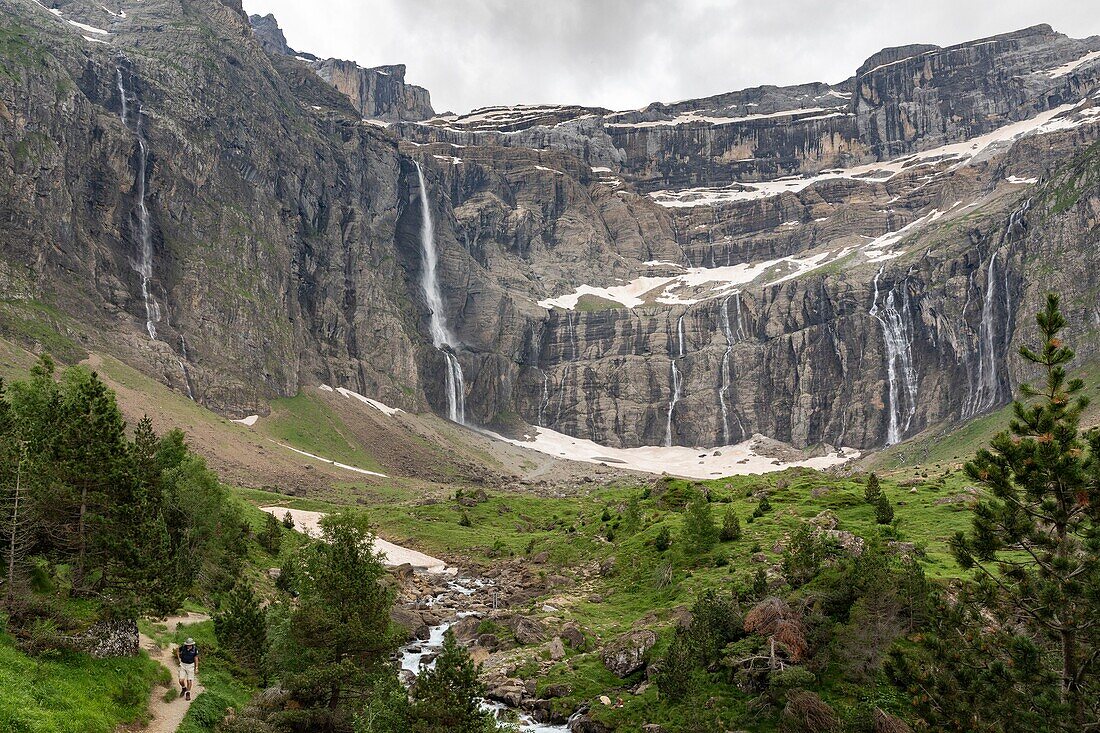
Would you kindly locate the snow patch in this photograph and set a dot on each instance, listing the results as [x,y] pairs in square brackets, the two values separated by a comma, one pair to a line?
[309,523]
[326,388]
[1021,181]
[958,154]
[380,406]
[699,463]
[1070,67]
[344,466]
[249,421]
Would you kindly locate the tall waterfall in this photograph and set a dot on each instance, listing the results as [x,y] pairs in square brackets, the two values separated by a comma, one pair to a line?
[442,338]
[725,371]
[985,390]
[143,266]
[900,374]
[675,378]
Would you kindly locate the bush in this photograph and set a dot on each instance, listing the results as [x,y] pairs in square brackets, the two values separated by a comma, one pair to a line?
[464,521]
[699,533]
[663,540]
[731,527]
[271,536]
[884,513]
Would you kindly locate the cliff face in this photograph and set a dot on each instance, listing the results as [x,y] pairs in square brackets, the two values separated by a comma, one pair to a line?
[189,193]
[378,93]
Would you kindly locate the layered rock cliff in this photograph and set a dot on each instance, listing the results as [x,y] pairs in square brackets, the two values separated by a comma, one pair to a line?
[377,93]
[843,263]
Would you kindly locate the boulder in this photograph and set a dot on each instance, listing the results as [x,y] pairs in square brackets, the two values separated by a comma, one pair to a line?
[572,635]
[557,649]
[527,630]
[628,653]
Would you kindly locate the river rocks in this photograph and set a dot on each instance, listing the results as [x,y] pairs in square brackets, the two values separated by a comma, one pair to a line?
[411,621]
[527,630]
[585,724]
[628,653]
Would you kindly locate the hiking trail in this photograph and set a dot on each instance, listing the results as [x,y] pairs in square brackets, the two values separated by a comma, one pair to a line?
[166,717]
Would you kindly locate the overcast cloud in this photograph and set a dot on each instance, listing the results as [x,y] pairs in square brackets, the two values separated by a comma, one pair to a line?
[623,54]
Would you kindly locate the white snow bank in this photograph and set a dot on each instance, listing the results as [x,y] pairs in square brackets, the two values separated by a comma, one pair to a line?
[958,154]
[699,463]
[1021,181]
[344,466]
[88,28]
[325,388]
[1070,67]
[249,421]
[814,113]
[381,407]
[309,523]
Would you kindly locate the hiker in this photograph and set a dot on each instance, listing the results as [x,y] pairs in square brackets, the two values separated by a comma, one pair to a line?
[188,656]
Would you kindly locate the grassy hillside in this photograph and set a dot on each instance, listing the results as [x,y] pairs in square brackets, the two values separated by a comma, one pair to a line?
[72,693]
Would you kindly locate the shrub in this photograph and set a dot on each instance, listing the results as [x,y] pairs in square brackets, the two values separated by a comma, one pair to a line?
[884,513]
[663,540]
[731,526]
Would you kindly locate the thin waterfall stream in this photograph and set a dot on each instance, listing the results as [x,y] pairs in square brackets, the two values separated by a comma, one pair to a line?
[442,337]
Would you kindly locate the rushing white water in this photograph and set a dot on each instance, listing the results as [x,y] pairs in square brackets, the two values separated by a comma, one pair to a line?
[900,373]
[675,382]
[442,338]
[143,266]
[726,368]
[420,655]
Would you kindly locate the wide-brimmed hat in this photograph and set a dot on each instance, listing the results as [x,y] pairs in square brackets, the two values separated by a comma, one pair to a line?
[189,642]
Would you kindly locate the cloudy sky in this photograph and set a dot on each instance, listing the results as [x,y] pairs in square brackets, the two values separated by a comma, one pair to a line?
[623,54]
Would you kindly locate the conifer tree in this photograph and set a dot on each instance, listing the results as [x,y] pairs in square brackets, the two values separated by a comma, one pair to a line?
[1035,541]
[872,490]
[731,526]
[271,536]
[884,512]
[241,628]
[446,697]
[699,532]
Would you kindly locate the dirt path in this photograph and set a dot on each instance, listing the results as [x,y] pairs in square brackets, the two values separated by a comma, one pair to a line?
[167,716]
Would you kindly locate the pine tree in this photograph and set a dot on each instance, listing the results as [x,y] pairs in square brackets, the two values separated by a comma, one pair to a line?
[271,536]
[241,628]
[288,520]
[339,635]
[663,540]
[884,512]
[1035,541]
[446,697]
[699,532]
[872,490]
[731,526]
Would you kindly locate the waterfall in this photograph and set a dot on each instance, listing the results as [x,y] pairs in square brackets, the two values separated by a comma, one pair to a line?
[900,373]
[986,389]
[726,368]
[675,379]
[544,401]
[985,392]
[144,265]
[442,338]
[183,368]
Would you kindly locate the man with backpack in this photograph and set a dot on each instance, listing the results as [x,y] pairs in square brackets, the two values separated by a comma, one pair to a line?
[188,657]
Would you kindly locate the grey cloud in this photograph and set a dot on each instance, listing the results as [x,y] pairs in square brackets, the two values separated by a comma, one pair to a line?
[626,53]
